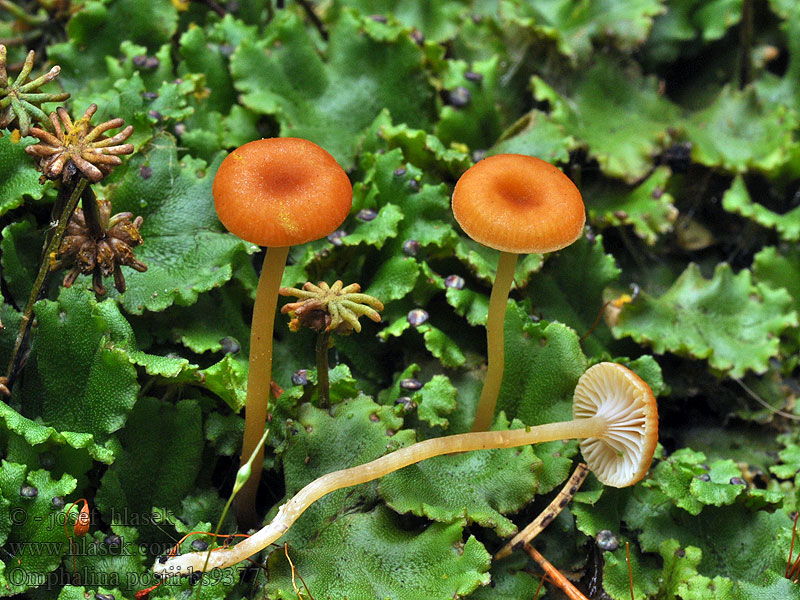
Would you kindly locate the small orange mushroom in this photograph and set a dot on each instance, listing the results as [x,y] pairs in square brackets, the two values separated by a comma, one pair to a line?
[516,204]
[274,192]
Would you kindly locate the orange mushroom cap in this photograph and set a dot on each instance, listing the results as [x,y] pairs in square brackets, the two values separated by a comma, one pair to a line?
[280,192]
[518,204]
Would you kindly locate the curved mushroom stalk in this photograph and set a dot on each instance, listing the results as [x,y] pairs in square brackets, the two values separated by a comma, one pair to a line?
[495,341]
[616,416]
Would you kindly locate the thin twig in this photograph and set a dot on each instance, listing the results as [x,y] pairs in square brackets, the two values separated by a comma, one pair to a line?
[291,565]
[794,572]
[294,585]
[539,587]
[570,591]
[763,402]
[596,322]
[314,18]
[548,514]
[791,547]
[52,247]
[305,585]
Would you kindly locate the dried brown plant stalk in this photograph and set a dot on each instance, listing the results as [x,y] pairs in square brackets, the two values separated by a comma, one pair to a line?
[546,517]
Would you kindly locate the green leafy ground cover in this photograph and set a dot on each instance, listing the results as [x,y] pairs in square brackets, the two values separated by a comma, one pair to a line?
[680,122]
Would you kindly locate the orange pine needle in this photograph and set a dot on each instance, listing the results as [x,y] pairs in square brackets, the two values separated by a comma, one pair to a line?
[794,574]
[145,593]
[539,587]
[789,567]
[570,591]
[80,529]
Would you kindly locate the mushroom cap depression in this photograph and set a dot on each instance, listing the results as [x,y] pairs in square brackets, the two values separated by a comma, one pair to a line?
[280,192]
[518,204]
[623,455]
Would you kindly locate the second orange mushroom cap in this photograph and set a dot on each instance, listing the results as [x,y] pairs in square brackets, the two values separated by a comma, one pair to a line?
[279,192]
[518,204]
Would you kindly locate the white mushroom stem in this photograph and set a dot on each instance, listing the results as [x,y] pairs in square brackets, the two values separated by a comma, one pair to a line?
[592,427]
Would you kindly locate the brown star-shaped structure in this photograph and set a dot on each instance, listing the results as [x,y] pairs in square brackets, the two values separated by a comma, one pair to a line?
[100,255]
[79,147]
